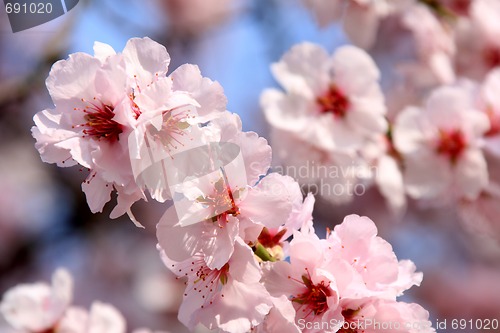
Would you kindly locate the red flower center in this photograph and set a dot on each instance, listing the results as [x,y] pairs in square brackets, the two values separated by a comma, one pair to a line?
[314,298]
[460,7]
[451,144]
[100,123]
[333,101]
[221,202]
[491,57]
[269,238]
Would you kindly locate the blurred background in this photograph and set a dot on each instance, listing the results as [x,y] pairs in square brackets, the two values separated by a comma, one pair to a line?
[45,222]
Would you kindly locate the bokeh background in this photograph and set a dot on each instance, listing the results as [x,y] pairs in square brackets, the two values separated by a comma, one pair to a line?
[44,219]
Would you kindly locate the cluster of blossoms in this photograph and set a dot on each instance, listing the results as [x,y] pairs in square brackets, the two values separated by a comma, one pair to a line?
[109,104]
[241,238]
[40,307]
[434,138]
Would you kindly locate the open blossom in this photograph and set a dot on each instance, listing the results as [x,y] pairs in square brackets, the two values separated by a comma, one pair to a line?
[38,307]
[355,241]
[335,104]
[441,146]
[309,285]
[328,113]
[230,298]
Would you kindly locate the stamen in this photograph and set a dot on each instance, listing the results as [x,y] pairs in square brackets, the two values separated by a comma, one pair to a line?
[99,122]
[334,101]
[451,143]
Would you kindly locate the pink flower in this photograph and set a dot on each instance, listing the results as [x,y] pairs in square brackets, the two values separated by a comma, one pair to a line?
[355,241]
[38,307]
[440,144]
[308,284]
[335,104]
[327,115]
[230,298]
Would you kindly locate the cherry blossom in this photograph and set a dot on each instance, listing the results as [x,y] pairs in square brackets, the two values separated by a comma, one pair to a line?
[230,298]
[308,284]
[355,241]
[328,113]
[335,104]
[38,307]
[441,146]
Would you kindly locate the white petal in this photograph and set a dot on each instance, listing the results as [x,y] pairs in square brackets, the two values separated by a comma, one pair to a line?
[427,175]
[471,173]
[411,130]
[97,192]
[102,51]
[389,179]
[303,70]
[355,72]
[145,58]
[73,78]
[105,318]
